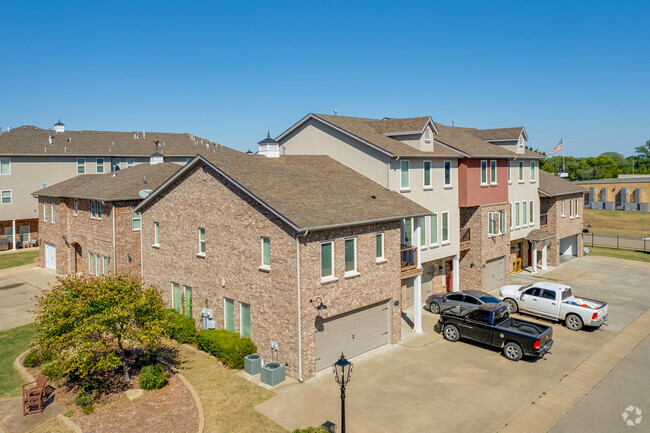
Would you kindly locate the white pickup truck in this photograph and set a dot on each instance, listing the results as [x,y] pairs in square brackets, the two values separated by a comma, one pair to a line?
[554,301]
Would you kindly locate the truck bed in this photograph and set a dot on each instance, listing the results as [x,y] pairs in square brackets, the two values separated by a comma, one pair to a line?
[525,327]
[586,303]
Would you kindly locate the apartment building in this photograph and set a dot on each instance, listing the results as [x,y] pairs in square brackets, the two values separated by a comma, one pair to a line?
[33,158]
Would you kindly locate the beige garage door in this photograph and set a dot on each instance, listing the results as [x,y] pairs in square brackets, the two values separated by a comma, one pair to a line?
[352,333]
[495,274]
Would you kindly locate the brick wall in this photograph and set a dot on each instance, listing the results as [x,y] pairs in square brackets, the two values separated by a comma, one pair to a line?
[31,223]
[562,226]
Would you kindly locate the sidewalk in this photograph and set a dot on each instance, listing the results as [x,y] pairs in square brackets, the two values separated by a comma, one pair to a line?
[18,286]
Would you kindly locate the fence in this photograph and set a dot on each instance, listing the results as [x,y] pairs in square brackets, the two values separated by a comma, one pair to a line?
[618,242]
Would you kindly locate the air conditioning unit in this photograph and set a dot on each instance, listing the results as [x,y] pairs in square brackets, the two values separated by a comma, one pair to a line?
[252,364]
[272,373]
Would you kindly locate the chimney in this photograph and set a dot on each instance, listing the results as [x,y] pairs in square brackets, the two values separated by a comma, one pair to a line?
[59,127]
[269,147]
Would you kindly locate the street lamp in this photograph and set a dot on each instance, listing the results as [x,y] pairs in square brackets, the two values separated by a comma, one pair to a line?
[342,370]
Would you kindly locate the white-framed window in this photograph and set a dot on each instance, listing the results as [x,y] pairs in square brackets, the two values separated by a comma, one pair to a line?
[9,235]
[5,166]
[75,207]
[156,233]
[187,301]
[130,162]
[116,163]
[266,252]
[6,196]
[517,215]
[531,219]
[433,229]
[93,211]
[81,165]
[484,175]
[405,175]
[45,212]
[562,209]
[502,221]
[509,172]
[229,314]
[427,135]
[350,253]
[524,213]
[493,172]
[512,216]
[52,209]
[98,264]
[202,241]
[521,171]
[494,223]
[99,165]
[136,220]
[176,297]
[570,208]
[445,228]
[24,234]
[532,171]
[448,174]
[105,265]
[91,263]
[245,320]
[96,209]
[576,208]
[326,260]
[423,231]
[407,231]
[427,173]
[379,242]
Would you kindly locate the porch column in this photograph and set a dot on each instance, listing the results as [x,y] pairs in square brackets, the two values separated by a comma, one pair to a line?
[544,255]
[13,234]
[417,284]
[534,256]
[455,274]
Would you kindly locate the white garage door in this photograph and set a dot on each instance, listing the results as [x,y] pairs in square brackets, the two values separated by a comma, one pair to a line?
[569,246]
[50,256]
[351,333]
[495,274]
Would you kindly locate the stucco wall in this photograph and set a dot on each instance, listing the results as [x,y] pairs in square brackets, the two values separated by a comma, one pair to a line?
[472,192]
[525,190]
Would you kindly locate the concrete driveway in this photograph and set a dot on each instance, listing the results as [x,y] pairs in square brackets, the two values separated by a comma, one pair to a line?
[425,383]
[18,286]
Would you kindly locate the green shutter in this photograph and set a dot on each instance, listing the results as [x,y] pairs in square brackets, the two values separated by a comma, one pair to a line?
[408,231]
[326,259]
[230,314]
[380,245]
[245,312]
[176,297]
[404,168]
[434,229]
[427,174]
[423,231]
[350,264]
[266,251]
[187,308]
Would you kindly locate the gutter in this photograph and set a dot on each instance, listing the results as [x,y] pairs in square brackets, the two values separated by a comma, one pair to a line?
[360,223]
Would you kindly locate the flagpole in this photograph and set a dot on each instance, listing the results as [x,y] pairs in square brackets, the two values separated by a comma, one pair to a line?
[563,166]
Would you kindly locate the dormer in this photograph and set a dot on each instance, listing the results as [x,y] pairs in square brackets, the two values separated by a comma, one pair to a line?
[421,138]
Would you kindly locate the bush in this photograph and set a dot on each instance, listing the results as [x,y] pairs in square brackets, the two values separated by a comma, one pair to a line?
[32,359]
[85,401]
[319,429]
[226,346]
[179,327]
[153,377]
[53,371]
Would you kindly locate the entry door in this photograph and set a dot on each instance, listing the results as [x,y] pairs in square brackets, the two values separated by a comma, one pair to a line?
[449,269]
[50,256]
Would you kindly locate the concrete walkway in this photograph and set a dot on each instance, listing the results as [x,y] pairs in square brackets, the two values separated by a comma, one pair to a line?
[18,286]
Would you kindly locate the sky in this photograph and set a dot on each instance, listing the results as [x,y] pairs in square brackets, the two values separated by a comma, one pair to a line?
[229,71]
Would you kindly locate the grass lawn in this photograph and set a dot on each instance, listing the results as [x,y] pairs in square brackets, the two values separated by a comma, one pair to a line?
[12,343]
[620,254]
[9,260]
[228,400]
[616,222]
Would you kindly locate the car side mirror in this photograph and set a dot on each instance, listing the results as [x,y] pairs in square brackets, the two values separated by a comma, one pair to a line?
[444,299]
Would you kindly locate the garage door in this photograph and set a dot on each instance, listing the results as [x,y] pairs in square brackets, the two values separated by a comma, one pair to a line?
[569,246]
[495,273]
[352,333]
[50,256]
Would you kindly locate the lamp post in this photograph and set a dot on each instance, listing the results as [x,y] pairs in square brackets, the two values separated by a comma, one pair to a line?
[342,370]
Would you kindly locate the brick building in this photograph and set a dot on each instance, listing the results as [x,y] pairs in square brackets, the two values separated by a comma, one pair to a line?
[265,241]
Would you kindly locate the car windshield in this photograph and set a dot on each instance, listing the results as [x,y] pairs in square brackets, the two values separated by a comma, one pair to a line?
[522,288]
[490,300]
[567,293]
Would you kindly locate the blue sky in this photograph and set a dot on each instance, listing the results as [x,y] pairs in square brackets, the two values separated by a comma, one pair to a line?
[230,71]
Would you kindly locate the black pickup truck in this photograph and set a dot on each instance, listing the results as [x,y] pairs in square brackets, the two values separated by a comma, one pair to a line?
[491,324]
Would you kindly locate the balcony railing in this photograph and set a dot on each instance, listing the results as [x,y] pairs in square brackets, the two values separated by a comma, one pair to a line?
[543,221]
[465,239]
[409,258]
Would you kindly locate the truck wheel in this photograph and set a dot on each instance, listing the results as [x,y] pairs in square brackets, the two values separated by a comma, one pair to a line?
[434,308]
[574,322]
[451,333]
[513,351]
[512,305]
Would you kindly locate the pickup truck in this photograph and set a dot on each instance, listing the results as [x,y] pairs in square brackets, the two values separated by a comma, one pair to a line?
[491,324]
[554,301]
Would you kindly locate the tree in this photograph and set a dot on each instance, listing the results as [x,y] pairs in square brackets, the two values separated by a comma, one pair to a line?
[644,151]
[89,325]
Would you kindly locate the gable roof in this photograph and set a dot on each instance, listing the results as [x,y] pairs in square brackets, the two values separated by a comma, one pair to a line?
[125,185]
[499,134]
[551,185]
[307,192]
[31,140]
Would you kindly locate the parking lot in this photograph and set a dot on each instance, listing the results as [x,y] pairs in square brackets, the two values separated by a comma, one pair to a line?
[425,383]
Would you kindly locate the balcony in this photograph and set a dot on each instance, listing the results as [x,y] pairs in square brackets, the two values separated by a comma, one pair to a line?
[409,261]
[465,239]
[543,221]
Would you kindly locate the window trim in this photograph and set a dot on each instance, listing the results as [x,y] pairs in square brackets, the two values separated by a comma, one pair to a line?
[531,213]
[423,232]
[202,243]
[130,162]
[156,234]
[330,277]
[52,210]
[426,186]
[502,222]
[533,177]
[82,166]
[44,212]
[7,163]
[185,301]
[484,172]
[571,209]
[496,223]
[447,169]
[524,214]
[512,216]
[75,207]
[509,172]
[521,172]
[406,188]
[11,196]
[9,236]
[442,227]
[241,320]
[265,266]
[176,308]
[353,272]
[380,258]
[97,165]
[119,164]
[493,172]
[517,215]
[562,214]
[433,232]
[133,219]
[29,233]
[225,317]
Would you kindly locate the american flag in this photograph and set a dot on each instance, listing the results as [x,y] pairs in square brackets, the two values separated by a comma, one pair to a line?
[557,148]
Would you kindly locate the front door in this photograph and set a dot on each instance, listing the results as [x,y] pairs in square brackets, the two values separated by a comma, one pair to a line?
[530,256]
[449,269]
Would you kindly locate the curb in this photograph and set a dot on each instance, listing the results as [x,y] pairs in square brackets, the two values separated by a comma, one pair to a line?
[18,365]
[197,401]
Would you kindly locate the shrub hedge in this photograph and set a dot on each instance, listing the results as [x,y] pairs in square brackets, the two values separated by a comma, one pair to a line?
[32,359]
[179,327]
[226,346]
[153,377]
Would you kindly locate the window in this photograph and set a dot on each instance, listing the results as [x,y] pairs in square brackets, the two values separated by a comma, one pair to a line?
[130,162]
[483,172]
[75,207]
[502,221]
[531,220]
[116,164]
[5,166]
[405,182]
[521,171]
[548,294]
[96,209]
[81,165]
[136,220]
[9,235]
[52,209]
[427,174]
[494,223]
[229,314]
[24,233]
[512,216]
[493,172]
[445,227]
[517,215]
[202,241]
[326,260]
[6,196]
[524,213]
[423,231]
[45,212]
[176,297]
[532,171]
[91,263]
[570,208]
[433,229]
[427,135]
[93,212]
[245,320]
[408,231]
[350,255]
[576,208]
[509,171]
[266,252]
[98,264]
[100,165]
[447,173]
[562,208]
[156,233]
[380,245]
[187,298]
[105,265]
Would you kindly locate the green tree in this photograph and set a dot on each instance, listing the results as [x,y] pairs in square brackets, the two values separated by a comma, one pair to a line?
[89,325]
[644,151]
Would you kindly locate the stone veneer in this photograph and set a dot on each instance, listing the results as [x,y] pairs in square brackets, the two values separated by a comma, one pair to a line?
[562,226]
[231,267]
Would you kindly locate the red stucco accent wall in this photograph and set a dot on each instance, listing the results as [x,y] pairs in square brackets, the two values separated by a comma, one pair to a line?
[470,191]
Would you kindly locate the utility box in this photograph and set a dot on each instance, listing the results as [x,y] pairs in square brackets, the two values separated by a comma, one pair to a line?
[252,364]
[272,373]
[206,318]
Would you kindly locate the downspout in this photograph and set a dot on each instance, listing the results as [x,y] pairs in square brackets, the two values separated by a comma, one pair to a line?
[299,306]
[141,250]
[114,251]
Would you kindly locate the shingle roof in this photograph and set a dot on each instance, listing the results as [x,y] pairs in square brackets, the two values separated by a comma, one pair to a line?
[497,133]
[31,140]
[125,185]
[311,192]
[551,185]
